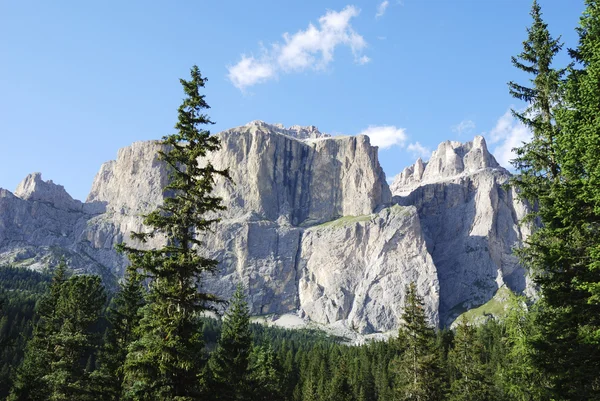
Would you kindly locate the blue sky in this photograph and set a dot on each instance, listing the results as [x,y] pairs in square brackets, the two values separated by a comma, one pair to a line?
[79,79]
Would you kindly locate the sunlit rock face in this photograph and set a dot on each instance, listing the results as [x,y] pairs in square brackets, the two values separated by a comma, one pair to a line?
[471,223]
[311,226]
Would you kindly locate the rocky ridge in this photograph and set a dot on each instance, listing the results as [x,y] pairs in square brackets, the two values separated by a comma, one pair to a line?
[311,226]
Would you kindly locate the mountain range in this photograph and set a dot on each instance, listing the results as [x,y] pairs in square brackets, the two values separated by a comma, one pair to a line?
[311,228]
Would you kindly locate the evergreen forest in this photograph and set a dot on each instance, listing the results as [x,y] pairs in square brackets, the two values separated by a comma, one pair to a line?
[64,336]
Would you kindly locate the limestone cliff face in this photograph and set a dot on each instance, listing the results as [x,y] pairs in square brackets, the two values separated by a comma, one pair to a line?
[41,223]
[470,223]
[355,270]
[304,182]
[311,226]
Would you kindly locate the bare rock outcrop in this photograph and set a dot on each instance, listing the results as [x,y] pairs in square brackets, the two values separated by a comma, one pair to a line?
[311,226]
[471,223]
[354,270]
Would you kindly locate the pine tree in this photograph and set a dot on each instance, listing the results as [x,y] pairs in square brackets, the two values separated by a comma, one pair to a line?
[566,250]
[229,362]
[418,374]
[78,310]
[521,380]
[29,382]
[165,363]
[54,367]
[124,317]
[537,160]
[472,382]
[339,387]
[265,378]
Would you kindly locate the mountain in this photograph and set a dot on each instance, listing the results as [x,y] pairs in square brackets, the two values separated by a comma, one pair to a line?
[311,227]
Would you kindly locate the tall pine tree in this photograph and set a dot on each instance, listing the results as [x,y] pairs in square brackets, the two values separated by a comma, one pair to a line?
[124,317]
[66,338]
[229,362]
[472,381]
[418,374]
[165,363]
[29,383]
[564,251]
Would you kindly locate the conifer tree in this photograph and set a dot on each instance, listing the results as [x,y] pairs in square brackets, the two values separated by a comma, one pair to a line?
[521,379]
[76,342]
[29,382]
[418,374]
[229,362]
[266,380]
[565,250]
[472,382]
[165,362]
[124,317]
[64,340]
[339,386]
[537,160]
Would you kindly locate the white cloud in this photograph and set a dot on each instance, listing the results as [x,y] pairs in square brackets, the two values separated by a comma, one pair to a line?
[250,71]
[419,150]
[363,60]
[508,133]
[312,48]
[381,8]
[464,127]
[385,136]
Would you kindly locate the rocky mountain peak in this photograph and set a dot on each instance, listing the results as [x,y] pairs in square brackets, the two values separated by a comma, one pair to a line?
[450,160]
[311,227]
[34,188]
[295,131]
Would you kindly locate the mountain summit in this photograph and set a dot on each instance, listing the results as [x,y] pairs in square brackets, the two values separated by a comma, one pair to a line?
[311,226]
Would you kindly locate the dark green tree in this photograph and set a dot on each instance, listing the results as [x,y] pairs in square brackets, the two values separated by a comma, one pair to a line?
[473,381]
[564,250]
[165,363]
[537,160]
[229,362]
[418,374]
[77,340]
[65,338]
[339,388]
[124,317]
[29,383]
[265,375]
[520,378]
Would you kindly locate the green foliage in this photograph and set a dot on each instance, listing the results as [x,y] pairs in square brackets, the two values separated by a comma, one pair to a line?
[228,364]
[522,380]
[123,317]
[20,291]
[472,381]
[165,363]
[418,372]
[65,338]
[560,174]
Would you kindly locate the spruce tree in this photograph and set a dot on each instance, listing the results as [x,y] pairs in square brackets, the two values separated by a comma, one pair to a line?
[418,374]
[29,383]
[165,362]
[472,381]
[66,337]
[565,250]
[537,160]
[266,376]
[76,342]
[229,362]
[521,379]
[124,317]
